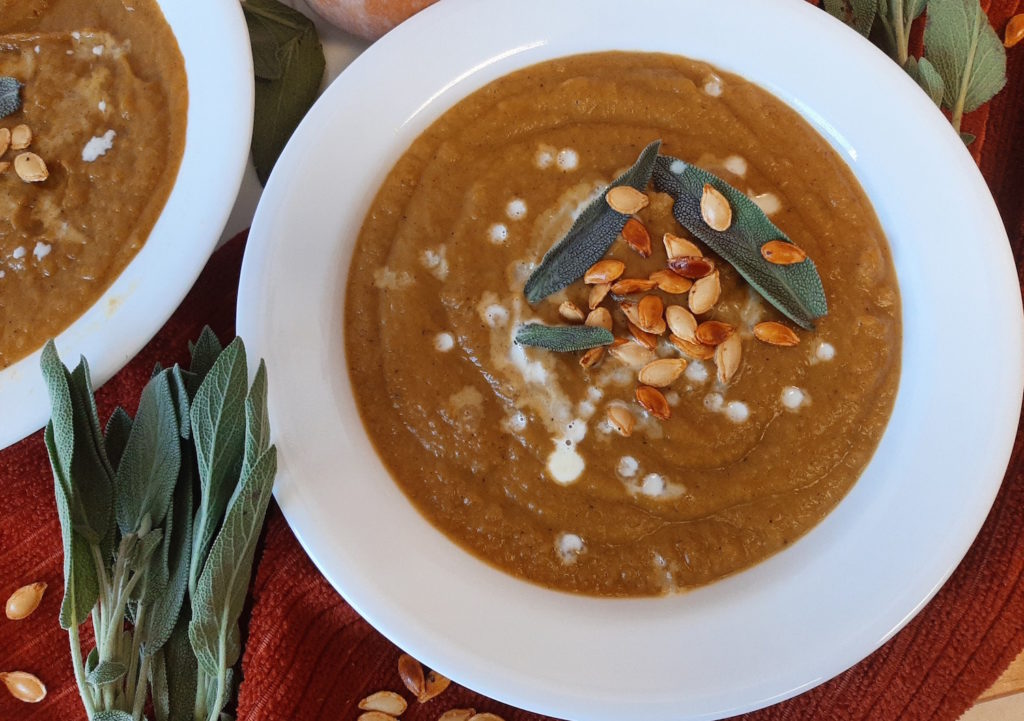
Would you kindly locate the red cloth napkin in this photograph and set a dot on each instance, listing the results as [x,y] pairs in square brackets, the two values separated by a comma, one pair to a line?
[310,656]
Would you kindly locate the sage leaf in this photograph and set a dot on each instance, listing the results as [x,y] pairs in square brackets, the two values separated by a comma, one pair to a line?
[257,423]
[91,660]
[10,96]
[858,14]
[289,64]
[220,593]
[204,353]
[589,237]
[966,52]
[173,678]
[563,338]
[111,715]
[170,579]
[106,672]
[218,427]
[81,585]
[115,436]
[795,290]
[968,138]
[925,74]
[149,465]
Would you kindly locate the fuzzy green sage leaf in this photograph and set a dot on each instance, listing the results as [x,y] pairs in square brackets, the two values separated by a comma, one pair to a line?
[589,237]
[966,52]
[925,75]
[858,14]
[106,672]
[10,96]
[289,65]
[563,338]
[795,290]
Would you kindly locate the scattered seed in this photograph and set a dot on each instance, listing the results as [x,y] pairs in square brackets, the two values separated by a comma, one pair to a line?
[571,312]
[387,702]
[621,420]
[412,673]
[681,322]
[604,271]
[713,332]
[692,266]
[650,312]
[705,293]
[715,209]
[774,333]
[626,199]
[5,140]
[597,294]
[633,355]
[676,247]
[653,402]
[486,717]
[637,237]
[630,310]
[30,168]
[780,252]
[669,282]
[727,357]
[375,716]
[457,714]
[662,372]
[24,601]
[600,318]
[24,686]
[21,137]
[694,350]
[435,685]
[592,357]
[648,340]
[1014,31]
[629,286]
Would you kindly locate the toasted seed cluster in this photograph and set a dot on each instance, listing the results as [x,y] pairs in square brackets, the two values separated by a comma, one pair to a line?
[27,165]
[672,302]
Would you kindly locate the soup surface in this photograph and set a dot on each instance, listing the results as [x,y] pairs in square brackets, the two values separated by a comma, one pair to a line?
[509,450]
[105,97]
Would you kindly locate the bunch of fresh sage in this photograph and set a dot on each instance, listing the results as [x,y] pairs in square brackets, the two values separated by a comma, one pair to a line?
[160,515]
[964,63]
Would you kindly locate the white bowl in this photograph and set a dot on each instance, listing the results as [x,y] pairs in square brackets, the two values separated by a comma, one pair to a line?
[218,63]
[760,636]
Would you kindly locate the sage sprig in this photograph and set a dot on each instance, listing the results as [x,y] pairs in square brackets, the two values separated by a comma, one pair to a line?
[563,338]
[795,290]
[10,96]
[159,515]
[590,236]
[964,64]
[288,60]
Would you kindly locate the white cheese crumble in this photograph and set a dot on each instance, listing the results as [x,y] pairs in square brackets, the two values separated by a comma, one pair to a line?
[736,165]
[18,253]
[436,262]
[628,466]
[567,159]
[516,209]
[677,166]
[543,158]
[653,485]
[3,273]
[793,397]
[769,203]
[696,372]
[37,49]
[76,35]
[516,422]
[102,106]
[825,352]
[97,50]
[498,233]
[569,546]
[737,411]
[565,465]
[672,398]
[713,86]
[444,342]
[98,146]
[714,402]
[41,250]
[495,315]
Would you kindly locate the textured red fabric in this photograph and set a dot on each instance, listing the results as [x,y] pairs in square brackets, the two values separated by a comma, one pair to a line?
[310,656]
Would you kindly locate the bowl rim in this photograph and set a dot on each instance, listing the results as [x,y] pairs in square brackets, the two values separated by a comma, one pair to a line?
[219,71]
[481,627]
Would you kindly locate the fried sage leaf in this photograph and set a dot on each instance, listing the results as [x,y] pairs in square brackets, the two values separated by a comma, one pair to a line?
[966,52]
[563,338]
[10,96]
[589,237]
[794,289]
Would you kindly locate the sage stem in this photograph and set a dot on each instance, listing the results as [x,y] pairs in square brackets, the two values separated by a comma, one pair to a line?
[76,661]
